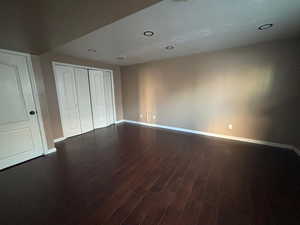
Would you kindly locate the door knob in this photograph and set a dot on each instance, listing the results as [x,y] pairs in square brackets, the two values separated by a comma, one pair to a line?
[32,112]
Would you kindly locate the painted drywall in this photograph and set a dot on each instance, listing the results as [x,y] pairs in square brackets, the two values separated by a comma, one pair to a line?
[42,93]
[39,26]
[47,90]
[194,26]
[21,25]
[254,88]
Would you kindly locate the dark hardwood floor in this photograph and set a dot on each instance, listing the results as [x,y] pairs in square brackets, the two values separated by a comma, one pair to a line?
[133,175]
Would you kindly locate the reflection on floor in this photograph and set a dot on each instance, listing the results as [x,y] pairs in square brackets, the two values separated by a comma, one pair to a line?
[133,175]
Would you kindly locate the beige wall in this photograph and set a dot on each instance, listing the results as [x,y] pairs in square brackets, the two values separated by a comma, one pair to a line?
[255,88]
[47,90]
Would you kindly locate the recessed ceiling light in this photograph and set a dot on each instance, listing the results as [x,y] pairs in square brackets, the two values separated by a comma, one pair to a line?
[121,58]
[92,50]
[148,33]
[169,47]
[265,26]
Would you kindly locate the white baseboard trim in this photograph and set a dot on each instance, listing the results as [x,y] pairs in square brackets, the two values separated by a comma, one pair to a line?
[248,140]
[59,139]
[51,150]
[119,121]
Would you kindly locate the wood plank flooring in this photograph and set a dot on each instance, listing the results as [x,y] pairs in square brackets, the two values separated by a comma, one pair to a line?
[133,175]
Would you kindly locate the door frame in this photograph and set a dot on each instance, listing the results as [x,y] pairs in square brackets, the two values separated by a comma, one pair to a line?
[56,63]
[36,99]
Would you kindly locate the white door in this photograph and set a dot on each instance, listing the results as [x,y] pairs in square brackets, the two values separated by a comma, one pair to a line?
[20,137]
[108,90]
[98,98]
[84,99]
[67,97]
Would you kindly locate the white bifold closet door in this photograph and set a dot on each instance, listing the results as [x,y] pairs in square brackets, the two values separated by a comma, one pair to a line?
[108,90]
[74,100]
[102,97]
[86,99]
[67,97]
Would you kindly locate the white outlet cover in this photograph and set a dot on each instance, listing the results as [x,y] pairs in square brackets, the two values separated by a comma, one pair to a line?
[154,117]
[230,126]
[141,115]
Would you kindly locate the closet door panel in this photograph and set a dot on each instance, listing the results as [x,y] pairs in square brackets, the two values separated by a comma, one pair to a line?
[84,100]
[108,90]
[67,96]
[98,98]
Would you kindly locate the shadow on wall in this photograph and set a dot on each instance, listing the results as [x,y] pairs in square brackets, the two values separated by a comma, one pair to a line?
[233,95]
[254,88]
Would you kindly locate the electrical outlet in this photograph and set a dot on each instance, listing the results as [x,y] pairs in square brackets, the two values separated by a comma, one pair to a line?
[230,126]
[154,117]
[141,115]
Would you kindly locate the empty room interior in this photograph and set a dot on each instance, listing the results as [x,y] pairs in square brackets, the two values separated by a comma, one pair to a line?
[150,112]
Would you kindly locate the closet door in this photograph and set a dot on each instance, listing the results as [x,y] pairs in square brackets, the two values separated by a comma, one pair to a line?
[84,100]
[67,97]
[98,98]
[108,90]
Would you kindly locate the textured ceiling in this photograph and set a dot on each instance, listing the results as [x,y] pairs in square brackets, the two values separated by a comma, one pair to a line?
[191,26]
[36,26]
